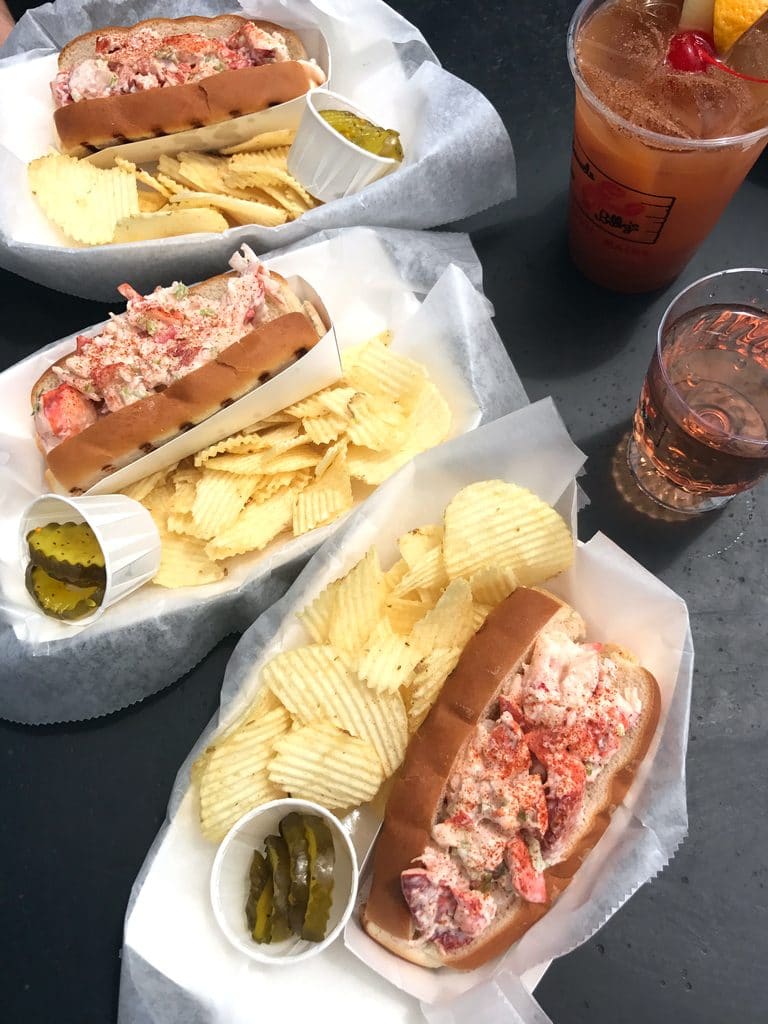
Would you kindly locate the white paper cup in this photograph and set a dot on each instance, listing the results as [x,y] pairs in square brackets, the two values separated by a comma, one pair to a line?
[124,529]
[324,162]
[230,881]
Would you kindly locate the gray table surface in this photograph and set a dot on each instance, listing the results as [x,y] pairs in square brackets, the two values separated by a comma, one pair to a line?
[81,804]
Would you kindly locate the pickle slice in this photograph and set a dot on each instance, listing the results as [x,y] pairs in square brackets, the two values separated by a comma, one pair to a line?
[68,551]
[61,600]
[292,831]
[322,859]
[262,924]
[368,136]
[277,854]
[259,876]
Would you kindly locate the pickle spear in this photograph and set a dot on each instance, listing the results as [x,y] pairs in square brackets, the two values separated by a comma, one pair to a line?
[61,600]
[292,831]
[259,876]
[277,854]
[262,923]
[322,859]
[69,552]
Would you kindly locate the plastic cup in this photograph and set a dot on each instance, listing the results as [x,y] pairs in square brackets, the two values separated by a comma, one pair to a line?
[229,882]
[124,529]
[324,162]
[642,202]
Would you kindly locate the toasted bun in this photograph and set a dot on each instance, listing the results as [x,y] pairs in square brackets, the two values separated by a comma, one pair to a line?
[92,124]
[119,438]
[492,656]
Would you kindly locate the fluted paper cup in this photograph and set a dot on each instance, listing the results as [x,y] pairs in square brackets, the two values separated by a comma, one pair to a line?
[124,529]
[229,881]
[323,161]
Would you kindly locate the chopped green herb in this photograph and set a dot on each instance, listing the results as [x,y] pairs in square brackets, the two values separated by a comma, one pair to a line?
[180,291]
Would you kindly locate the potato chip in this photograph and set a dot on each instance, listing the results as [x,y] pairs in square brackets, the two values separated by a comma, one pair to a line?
[316,506]
[204,171]
[319,762]
[250,167]
[241,211]
[142,488]
[403,614]
[184,563]
[168,223]
[377,369]
[237,443]
[376,424]
[394,574]
[387,660]
[336,400]
[415,544]
[289,461]
[429,422]
[185,490]
[158,503]
[262,141]
[492,584]
[324,429]
[427,573]
[306,407]
[256,526]
[317,615]
[169,170]
[374,467]
[246,464]
[497,523]
[331,455]
[359,603]
[151,202]
[231,773]
[219,500]
[86,202]
[428,680]
[144,177]
[449,623]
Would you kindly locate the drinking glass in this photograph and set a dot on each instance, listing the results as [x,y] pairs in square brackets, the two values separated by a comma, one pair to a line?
[642,202]
[700,432]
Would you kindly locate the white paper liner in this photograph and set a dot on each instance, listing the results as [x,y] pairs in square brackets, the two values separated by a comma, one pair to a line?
[176,967]
[370,280]
[459,158]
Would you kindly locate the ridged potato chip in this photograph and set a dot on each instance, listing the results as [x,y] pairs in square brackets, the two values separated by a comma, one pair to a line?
[282,137]
[316,506]
[359,603]
[255,527]
[86,202]
[231,773]
[321,763]
[324,429]
[417,543]
[240,443]
[449,623]
[387,660]
[427,573]
[142,488]
[151,202]
[428,680]
[168,223]
[219,500]
[403,613]
[144,177]
[518,530]
[184,563]
[241,211]
[374,368]
[492,584]
[317,615]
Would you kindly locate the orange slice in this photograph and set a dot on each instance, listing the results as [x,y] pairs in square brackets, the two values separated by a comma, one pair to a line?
[732,18]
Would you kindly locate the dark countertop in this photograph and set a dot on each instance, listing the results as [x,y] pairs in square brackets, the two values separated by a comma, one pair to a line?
[82,804]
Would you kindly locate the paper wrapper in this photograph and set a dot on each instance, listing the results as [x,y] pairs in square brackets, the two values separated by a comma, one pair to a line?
[370,281]
[459,159]
[177,967]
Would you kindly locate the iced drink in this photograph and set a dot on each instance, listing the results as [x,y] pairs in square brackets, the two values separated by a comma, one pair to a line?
[657,152]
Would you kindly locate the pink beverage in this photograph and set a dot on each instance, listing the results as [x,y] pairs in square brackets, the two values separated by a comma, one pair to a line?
[701,426]
[658,152]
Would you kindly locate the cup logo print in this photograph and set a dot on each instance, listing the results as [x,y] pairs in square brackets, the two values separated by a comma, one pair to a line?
[620,210]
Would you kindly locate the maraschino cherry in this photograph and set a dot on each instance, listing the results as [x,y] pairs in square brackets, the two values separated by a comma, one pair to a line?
[695,51]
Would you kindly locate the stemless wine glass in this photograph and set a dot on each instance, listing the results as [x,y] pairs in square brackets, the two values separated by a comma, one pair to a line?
[700,432]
